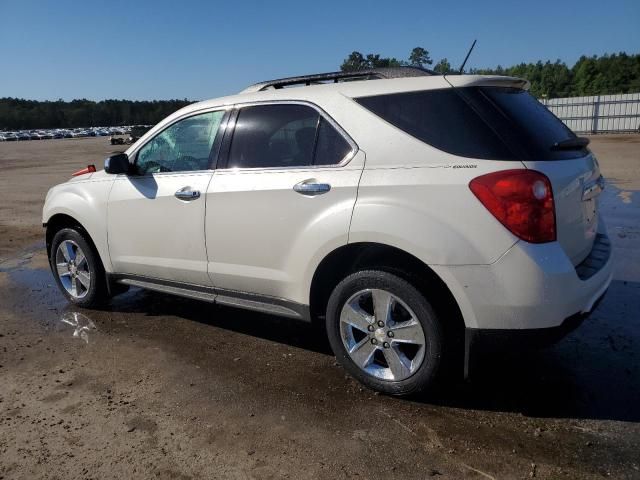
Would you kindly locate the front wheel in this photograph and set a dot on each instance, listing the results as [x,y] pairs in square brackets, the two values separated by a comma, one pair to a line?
[384,332]
[77,268]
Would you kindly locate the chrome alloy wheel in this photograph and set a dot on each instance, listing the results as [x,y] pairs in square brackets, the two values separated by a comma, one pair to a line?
[73,269]
[382,335]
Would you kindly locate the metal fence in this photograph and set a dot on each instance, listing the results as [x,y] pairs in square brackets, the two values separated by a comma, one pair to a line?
[598,114]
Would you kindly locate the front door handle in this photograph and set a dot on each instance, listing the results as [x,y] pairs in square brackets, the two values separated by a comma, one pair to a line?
[185,193]
[310,187]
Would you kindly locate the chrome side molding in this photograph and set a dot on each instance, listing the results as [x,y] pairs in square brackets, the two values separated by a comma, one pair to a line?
[244,300]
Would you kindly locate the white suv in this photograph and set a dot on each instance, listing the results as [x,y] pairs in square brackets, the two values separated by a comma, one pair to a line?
[415,214]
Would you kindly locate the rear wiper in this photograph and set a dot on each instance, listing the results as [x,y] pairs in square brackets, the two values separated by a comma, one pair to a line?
[575,143]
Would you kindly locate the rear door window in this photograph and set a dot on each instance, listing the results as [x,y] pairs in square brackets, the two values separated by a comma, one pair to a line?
[331,148]
[284,136]
[268,136]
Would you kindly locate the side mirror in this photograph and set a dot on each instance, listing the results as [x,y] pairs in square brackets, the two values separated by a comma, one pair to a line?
[118,163]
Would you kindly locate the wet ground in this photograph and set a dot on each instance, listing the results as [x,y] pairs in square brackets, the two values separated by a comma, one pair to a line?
[162,387]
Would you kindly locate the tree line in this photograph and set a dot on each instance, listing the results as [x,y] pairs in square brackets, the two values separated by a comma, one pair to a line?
[595,75]
[19,114]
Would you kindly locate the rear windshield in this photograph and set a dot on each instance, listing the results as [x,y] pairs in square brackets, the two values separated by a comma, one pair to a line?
[477,122]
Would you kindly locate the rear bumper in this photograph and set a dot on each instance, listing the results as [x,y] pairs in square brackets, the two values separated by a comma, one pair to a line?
[529,337]
[530,287]
[478,340]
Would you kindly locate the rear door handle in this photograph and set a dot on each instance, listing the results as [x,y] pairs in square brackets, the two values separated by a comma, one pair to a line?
[185,193]
[308,187]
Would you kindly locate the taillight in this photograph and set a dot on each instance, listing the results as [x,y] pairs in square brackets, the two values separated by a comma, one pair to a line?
[522,200]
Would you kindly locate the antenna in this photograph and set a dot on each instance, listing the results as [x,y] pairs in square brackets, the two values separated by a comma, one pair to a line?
[467,57]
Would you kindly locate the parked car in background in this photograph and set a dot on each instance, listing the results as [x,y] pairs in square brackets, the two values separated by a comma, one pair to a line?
[58,133]
[10,137]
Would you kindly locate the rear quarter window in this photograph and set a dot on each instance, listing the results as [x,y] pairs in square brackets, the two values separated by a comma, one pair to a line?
[477,122]
[530,124]
[442,119]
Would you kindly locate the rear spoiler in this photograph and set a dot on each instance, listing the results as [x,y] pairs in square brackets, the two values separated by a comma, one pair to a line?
[487,81]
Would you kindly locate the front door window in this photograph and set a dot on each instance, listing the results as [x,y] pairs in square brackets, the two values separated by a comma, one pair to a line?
[184,146]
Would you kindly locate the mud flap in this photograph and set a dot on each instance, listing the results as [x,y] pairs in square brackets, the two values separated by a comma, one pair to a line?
[469,336]
[114,288]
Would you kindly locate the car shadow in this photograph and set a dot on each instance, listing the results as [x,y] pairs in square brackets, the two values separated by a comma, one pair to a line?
[145,184]
[289,331]
[594,373]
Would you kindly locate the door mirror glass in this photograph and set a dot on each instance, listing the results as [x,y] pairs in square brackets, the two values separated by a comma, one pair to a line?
[118,163]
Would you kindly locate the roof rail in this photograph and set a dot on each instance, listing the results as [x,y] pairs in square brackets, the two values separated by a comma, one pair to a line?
[335,77]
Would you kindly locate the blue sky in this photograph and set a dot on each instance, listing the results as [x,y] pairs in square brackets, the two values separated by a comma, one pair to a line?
[200,49]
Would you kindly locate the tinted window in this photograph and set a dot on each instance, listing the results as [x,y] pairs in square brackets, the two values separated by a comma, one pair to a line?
[477,122]
[442,119]
[331,147]
[531,124]
[184,146]
[284,136]
[274,136]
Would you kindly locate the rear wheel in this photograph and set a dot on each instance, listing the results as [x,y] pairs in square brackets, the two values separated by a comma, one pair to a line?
[384,332]
[77,268]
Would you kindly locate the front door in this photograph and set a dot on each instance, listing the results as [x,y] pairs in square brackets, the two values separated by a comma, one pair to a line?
[156,215]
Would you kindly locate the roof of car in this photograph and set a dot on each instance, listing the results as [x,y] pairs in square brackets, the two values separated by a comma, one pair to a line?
[334,93]
[354,89]
[338,77]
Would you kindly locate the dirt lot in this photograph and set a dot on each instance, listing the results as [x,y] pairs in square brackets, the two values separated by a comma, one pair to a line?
[163,387]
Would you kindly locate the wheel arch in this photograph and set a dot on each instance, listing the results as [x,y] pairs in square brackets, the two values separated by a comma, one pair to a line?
[59,221]
[82,204]
[352,257]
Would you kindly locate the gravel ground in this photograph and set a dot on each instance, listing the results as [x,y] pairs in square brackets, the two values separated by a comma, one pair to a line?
[163,387]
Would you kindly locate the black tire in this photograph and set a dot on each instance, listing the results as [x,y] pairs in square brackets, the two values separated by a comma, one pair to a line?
[425,374]
[96,295]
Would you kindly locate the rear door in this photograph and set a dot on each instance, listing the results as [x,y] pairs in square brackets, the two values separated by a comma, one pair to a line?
[285,194]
